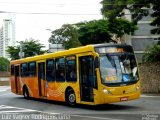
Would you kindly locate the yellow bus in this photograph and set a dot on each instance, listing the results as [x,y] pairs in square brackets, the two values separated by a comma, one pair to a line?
[92,75]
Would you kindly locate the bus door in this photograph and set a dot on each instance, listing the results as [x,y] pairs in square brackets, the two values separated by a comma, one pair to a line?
[41,79]
[86,76]
[17,80]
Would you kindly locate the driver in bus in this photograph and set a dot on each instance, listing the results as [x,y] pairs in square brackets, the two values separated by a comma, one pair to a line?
[127,66]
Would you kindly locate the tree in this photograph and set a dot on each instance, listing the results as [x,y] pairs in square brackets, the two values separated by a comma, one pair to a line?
[14,52]
[4,64]
[67,35]
[152,54]
[30,47]
[101,31]
[112,9]
[121,26]
[156,15]
[92,32]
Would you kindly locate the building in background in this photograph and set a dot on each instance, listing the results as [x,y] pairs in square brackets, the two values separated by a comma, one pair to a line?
[55,48]
[7,36]
[142,37]
[1,41]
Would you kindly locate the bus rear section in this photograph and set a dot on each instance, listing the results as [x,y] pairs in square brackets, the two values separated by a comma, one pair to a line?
[15,79]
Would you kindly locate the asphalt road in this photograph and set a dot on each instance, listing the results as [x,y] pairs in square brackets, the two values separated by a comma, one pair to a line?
[15,107]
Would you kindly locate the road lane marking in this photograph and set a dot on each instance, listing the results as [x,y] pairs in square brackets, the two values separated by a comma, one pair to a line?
[30,109]
[4,88]
[6,94]
[15,111]
[5,106]
[19,109]
[7,109]
[149,96]
[2,107]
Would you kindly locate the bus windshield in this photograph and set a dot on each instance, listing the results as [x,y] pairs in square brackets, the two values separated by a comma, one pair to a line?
[118,68]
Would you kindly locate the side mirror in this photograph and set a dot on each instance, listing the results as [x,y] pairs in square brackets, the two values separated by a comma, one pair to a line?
[96,62]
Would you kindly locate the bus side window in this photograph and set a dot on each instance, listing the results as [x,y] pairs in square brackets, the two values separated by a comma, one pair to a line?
[12,69]
[50,70]
[24,70]
[32,69]
[60,69]
[71,74]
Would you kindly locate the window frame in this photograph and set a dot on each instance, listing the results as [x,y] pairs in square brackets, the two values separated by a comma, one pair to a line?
[32,72]
[64,79]
[75,66]
[53,70]
[24,74]
[12,69]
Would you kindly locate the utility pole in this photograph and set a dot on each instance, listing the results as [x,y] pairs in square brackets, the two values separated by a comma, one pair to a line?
[21,53]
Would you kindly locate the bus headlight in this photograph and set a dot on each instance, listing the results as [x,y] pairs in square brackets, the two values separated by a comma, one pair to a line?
[106,91]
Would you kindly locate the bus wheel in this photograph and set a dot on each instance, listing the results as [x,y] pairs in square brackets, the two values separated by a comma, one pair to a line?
[71,98]
[25,93]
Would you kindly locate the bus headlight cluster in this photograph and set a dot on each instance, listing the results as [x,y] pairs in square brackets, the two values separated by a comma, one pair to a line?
[106,91]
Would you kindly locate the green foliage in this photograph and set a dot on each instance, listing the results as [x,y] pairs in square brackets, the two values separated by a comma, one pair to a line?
[67,35]
[14,52]
[101,31]
[4,64]
[152,54]
[121,26]
[156,15]
[114,8]
[92,32]
[30,47]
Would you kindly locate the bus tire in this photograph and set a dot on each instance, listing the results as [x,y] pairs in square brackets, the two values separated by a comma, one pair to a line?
[70,98]
[25,93]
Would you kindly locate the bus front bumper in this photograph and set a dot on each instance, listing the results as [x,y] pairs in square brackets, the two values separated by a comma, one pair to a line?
[121,98]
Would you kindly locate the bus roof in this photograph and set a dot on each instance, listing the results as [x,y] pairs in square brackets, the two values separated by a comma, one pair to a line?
[72,51]
[110,45]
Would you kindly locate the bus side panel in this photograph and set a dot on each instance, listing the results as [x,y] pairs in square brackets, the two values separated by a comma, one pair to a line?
[15,85]
[35,87]
[12,81]
[18,87]
[56,90]
[98,97]
[59,91]
[51,92]
[32,86]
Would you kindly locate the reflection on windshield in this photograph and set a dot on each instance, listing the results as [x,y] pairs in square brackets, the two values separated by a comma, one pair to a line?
[118,68]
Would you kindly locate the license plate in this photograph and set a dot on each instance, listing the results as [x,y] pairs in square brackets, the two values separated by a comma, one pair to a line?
[124,98]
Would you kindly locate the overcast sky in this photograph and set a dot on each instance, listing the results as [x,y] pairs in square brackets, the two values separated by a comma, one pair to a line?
[53,14]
